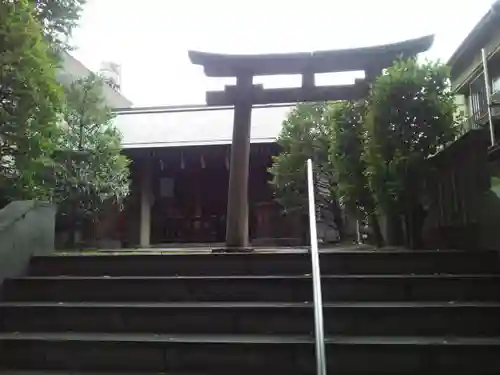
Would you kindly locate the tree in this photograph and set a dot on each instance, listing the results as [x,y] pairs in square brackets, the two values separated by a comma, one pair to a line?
[58,19]
[410,117]
[91,173]
[306,134]
[346,156]
[30,100]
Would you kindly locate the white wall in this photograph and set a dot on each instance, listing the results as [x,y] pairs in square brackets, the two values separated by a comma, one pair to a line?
[72,69]
[463,106]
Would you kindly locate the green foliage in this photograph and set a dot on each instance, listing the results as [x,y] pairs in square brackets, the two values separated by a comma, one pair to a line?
[305,134]
[373,154]
[410,117]
[56,147]
[91,172]
[346,154]
[30,100]
[58,19]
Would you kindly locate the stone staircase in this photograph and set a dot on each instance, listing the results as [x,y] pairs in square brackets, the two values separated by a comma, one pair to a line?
[386,312]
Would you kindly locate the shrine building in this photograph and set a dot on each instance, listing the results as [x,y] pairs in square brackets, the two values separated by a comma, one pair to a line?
[180,174]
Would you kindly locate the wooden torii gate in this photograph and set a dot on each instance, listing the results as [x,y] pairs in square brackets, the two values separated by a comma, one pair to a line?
[371,60]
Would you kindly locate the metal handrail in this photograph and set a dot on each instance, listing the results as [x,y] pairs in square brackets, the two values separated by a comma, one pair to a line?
[316,276]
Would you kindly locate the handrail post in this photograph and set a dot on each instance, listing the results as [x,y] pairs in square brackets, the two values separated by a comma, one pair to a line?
[316,276]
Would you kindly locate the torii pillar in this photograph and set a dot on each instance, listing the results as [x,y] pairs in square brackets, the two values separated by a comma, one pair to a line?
[237,200]
[371,60]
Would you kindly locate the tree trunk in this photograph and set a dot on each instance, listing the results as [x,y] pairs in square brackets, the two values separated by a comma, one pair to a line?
[395,235]
[72,233]
[377,232]
[338,219]
[408,229]
[414,221]
[73,225]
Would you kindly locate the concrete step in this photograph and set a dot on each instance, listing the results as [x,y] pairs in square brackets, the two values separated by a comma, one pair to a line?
[254,288]
[357,319]
[48,372]
[399,319]
[248,354]
[287,263]
[69,372]
[55,372]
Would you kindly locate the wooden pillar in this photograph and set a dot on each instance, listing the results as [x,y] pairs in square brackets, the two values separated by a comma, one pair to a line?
[237,204]
[373,72]
[145,226]
[308,80]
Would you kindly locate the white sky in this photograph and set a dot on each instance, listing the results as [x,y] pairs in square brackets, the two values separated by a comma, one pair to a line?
[150,38]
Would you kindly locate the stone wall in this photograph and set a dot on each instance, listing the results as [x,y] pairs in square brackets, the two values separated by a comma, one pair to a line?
[26,228]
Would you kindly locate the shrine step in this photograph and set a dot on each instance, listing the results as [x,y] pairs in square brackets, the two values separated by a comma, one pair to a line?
[389,312]
[278,263]
[57,372]
[254,288]
[356,319]
[236,354]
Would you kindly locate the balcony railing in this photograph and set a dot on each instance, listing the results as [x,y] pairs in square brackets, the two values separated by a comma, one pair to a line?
[484,99]
[470,123]
[478,99]
[479,106]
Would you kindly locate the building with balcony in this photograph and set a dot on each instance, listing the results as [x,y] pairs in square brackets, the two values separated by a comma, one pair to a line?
[465,191]
[468,73]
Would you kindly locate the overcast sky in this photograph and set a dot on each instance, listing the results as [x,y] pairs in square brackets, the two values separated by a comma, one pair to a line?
[150,38]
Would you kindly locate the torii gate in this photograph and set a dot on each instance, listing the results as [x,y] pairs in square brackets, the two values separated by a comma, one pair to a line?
[371,60]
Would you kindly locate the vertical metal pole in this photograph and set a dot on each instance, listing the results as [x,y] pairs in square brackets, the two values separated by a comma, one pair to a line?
[316,275]
[488,94]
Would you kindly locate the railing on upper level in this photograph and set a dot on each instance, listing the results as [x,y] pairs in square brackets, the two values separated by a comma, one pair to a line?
[316,276]
[478,99]
[484,100]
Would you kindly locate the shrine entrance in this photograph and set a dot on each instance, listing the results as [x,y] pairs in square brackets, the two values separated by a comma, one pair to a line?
[187,196]
[371,60]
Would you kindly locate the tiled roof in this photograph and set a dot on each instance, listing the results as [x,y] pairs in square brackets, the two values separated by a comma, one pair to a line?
[193,126]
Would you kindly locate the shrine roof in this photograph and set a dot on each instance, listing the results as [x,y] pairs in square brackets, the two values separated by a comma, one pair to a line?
[224,65]
[193,125]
